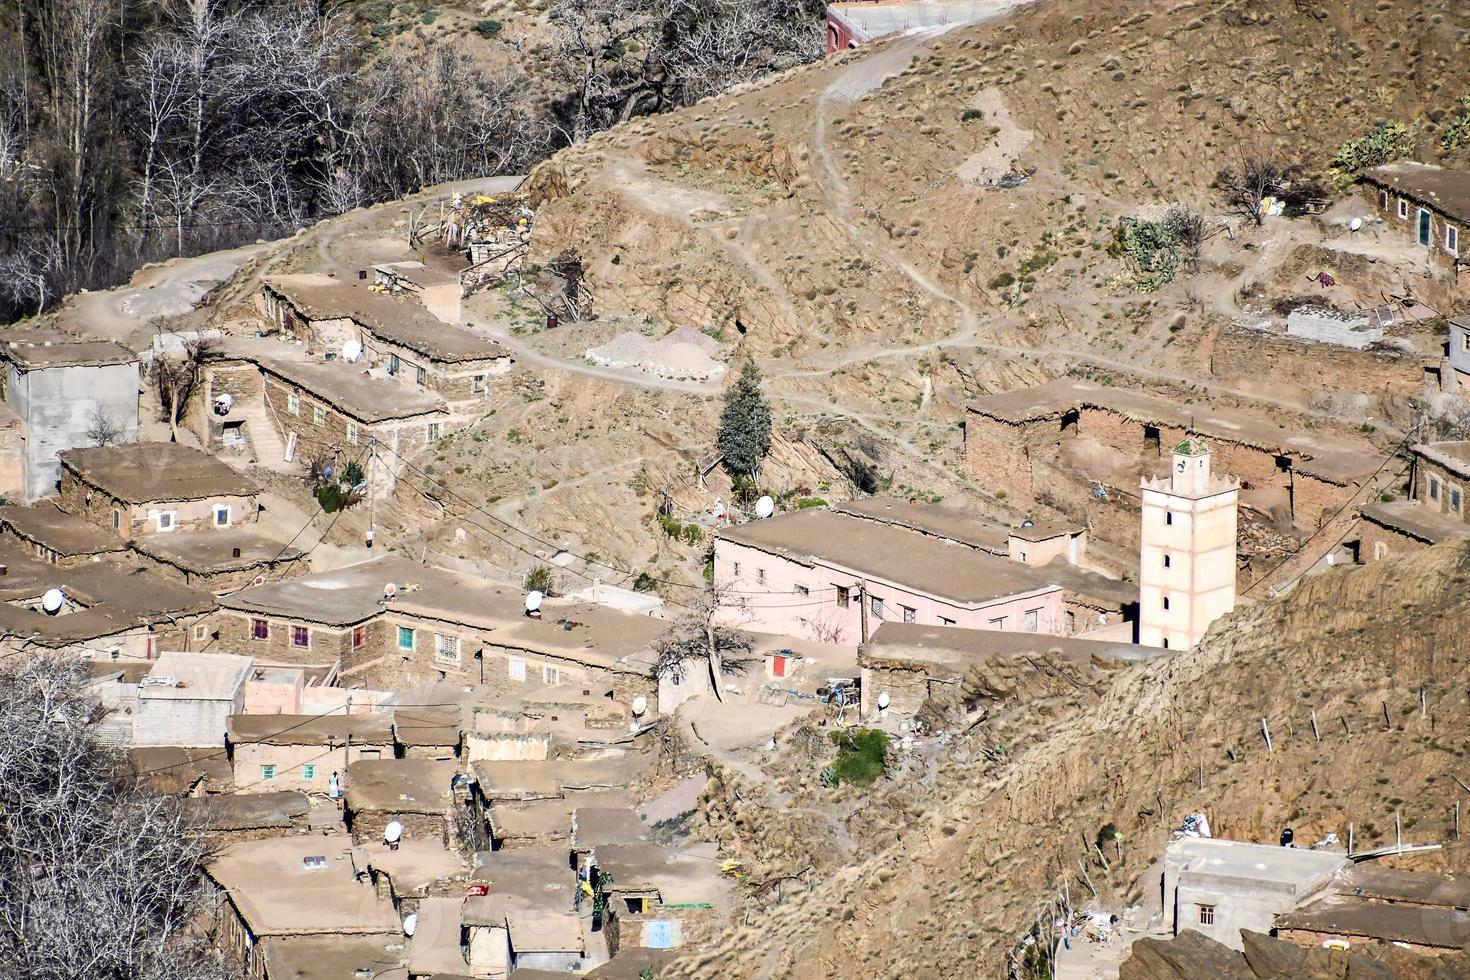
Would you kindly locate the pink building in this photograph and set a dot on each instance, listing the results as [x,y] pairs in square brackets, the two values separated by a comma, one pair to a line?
[835,578]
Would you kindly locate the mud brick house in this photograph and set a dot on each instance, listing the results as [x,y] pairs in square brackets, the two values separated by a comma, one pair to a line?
[275,893]
[658,897]
[836,577]
[52,535]
[61,390]
[1438,508]
[397,335]
[1366,905]
[525,918]
[428,733]
[419,794]
[1082,448]
[176,771]
[909,663]
[232,817]
[110,611]
[154,488]
[439,625]
[1430,205]
[300,752]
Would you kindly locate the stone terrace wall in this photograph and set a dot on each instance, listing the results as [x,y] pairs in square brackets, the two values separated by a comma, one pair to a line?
[1243,354]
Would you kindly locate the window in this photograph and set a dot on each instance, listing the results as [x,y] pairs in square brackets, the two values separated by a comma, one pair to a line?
[308,771]
[200,632]
[550,674]
[516,668]
[1380,549]
[405,638]
[1383,200]
[1166,602]
[909,615]
[1033,617]
[1455,499]
[760,576]
[803,590]
[300,636]
[1168,517]
[1166,643]
[1434,483]
[117,514]
[260,629]
[998,624]
[267,773]
[735,568]
[165,519]
[844,597]
[1403,208]
[1465,341]
[394,364]
[945,621]
[477,383]
[318,415]
[421,375]
[359,637]
[433,431]
[221,515]
[351,433]
[446,648]
[293,403]
[1452,239]
[877,607]
[1206,914]
[1166,561]
[370,754]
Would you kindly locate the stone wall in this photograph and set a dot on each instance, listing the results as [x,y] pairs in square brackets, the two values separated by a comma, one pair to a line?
[328,645]
[1325,325]
[368,826]
[1376,541]
[1428,473]
[1243,354]
[999,454]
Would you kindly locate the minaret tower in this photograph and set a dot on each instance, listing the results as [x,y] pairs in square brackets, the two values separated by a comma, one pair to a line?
[1186,576]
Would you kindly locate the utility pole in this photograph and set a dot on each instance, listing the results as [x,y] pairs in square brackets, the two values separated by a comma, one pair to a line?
[863,607]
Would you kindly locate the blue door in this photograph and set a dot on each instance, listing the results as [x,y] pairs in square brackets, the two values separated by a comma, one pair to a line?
[660,934]
[1423,227]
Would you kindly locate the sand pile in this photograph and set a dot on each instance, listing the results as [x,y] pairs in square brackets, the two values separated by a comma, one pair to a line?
[682,353]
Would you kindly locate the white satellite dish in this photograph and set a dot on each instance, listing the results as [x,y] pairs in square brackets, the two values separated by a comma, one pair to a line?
[351,351]
[640,705]
[52,601]
[1355,225]
[393,833]
[410,923]
[390,590]
[533,600]
[882,700]
[765,507]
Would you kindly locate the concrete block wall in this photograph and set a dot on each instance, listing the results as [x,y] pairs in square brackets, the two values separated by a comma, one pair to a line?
[57,406]
[1328,326]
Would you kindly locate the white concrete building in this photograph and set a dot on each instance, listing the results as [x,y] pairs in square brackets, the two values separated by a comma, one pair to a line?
[1219,887]
[1186,570]
[188,698]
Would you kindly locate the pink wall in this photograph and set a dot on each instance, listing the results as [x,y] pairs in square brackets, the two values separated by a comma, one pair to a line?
[773,607]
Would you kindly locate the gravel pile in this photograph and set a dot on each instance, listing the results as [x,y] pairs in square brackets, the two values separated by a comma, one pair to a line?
[682,353]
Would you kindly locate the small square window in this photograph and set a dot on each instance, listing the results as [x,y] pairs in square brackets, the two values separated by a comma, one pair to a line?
[760,576]
[909,615]
[1451,239]
[260,629]
[844,597]
[803,590]
[550,674]
[351,433]
[267,772]
[446,648]
[165,520]
[405,638]
[1166,602]
[1433,488]
[421,375]
[477,383]
[1206,915]
[1465,341]
[433,431]
[308,771]
[1168,517]
[117,514]
[516,667]
[200,632]
[359,637]
[318,415]
[222,516]
[998,624]
[1383,200]
[1455,499]
[735,568]
[1403,208]
[1033,618]
[293,403]
[1166,561]
[300,636]
[394,364]
[877,606]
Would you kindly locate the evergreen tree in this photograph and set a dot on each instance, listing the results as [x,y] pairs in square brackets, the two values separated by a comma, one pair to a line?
[745,424]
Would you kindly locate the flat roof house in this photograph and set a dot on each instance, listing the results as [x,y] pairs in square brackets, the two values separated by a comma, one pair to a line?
[527,918]
[155,488]
[54,536]
[1429,204]
[1366,905]
[300,752]
[835,577]
[64,390]
[187,699]
[417,793]
[1438,508]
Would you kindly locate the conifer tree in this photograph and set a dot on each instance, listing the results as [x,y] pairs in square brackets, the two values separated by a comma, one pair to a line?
[745,424]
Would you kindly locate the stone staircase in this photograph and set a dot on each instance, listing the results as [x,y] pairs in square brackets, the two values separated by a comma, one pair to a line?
[265,442]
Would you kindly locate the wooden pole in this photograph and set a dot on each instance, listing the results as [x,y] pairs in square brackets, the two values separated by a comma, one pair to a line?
[1350,839]
[1457,820]
[1267,732]
[1398,831]
[1315,734]
[1386,719]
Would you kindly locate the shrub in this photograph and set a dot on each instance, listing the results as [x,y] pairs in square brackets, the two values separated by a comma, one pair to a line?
[804,503]
[1001,281]
[1457,131]
[331,497]
[644,583]
[861,755]
[488,28]
[1387,141]
[971,114]
[540,579]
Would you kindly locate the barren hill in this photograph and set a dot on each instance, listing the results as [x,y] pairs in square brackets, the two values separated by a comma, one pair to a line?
[955,860]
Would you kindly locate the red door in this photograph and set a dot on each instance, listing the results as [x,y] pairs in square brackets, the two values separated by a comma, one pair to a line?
[778,666]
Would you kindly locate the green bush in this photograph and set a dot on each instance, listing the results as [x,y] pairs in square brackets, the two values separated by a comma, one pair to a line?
[331,497]
[540,579]
[1387,141]
[1457,131]
[861,755]
[488,28]
[1001,281]
[971,114]
[804,503]
[644,583]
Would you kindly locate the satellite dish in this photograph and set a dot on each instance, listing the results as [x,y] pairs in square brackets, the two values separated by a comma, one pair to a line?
[393,833]
[765,507]
[533,600]
[390,590]
[1355,225]
[410,923]
[351,351]
[882,700]
[640,705]
[1028,522]
[52,601]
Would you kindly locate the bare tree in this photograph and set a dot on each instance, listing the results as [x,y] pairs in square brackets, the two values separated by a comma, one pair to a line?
[31,274]
[824,629]
[98,878]
[1256,173]
[701,640]
[175,378]
[102,428]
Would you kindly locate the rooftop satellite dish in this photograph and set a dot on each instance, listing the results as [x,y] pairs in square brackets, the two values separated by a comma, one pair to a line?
[393,833]
[351,351]
[1028,522]
[533,600]
[1355,225]
[52,601]
[390,590]
[640,705]
[410,923]
[765,507]
[882,700]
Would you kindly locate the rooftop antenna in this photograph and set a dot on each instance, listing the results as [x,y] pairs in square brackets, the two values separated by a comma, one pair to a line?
[533,604]
[765,507]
